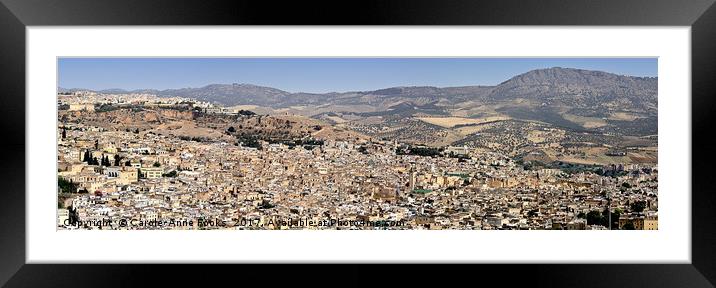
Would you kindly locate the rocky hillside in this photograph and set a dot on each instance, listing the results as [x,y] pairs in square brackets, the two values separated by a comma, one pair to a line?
[128,117]
[580,88]
[231,94]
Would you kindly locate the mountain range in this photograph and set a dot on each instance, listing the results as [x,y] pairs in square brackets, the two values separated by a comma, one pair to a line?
[553,84]
[566,97]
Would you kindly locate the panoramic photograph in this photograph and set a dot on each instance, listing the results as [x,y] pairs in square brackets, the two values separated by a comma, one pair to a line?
[357,143]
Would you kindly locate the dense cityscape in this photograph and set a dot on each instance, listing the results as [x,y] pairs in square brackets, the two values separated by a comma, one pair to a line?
[139,161]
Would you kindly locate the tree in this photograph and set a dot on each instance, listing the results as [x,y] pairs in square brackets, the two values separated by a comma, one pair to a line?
[266,205]
[156,164]
[594,218]
[532,213]
[86,157]
[638,206]
[629,226]
[64,132]
[615,218]
[250,141]
[231,129]
[246,113]
[581,215]
[66,186]
[117,159]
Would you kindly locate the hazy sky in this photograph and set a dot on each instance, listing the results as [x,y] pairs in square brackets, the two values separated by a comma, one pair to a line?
[320,74]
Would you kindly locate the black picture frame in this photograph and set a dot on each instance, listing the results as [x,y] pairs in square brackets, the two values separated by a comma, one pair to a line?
[15,15]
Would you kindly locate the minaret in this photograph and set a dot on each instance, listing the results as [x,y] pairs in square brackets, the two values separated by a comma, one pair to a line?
[609,205]
[397,190]
[413,174]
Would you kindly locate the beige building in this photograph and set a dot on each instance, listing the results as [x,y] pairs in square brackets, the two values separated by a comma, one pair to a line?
[152,172]
[128,175]
[651,223]
[81,107]
[640,223]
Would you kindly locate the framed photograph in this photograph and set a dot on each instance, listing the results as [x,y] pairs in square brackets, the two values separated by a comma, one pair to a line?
[570,140]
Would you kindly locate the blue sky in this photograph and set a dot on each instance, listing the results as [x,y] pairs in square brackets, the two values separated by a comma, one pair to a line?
[321,75]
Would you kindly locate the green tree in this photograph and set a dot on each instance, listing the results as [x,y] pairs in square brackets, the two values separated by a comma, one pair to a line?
[86,157]
[66,186]
[156,164]
[638,206]
[615,218]
[628,226]
[532,213]
[594,218]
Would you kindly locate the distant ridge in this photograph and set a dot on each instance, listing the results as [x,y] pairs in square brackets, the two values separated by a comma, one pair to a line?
[547,83]
[564,97]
